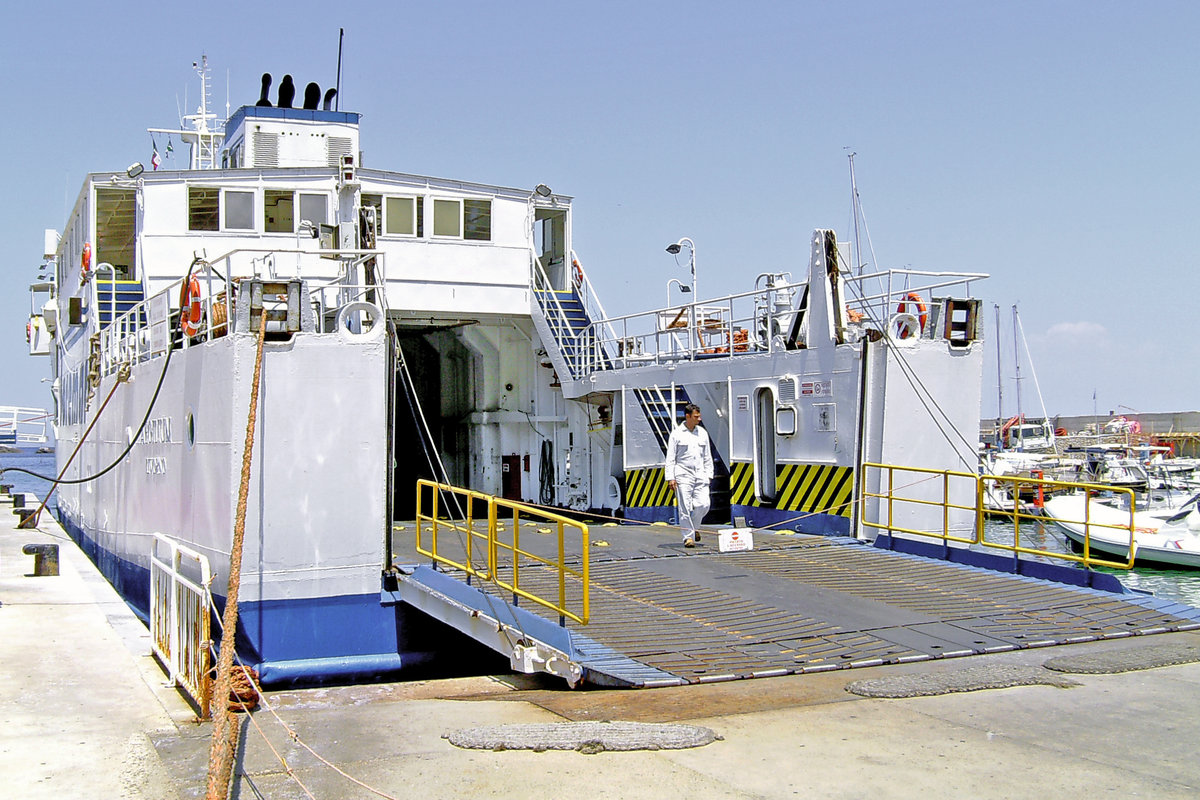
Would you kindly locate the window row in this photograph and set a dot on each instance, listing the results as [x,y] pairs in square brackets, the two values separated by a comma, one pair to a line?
[453,219]
[211,208]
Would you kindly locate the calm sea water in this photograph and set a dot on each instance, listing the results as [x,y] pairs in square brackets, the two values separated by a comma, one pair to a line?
[1182,585]
[1175,584]
[30,459]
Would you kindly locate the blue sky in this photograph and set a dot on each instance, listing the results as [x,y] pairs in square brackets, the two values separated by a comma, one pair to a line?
[1048,144]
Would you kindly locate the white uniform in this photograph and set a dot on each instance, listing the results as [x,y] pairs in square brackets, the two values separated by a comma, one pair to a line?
[690,465]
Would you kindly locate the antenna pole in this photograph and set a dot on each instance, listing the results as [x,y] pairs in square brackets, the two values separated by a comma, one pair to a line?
[337,98]
[858,262]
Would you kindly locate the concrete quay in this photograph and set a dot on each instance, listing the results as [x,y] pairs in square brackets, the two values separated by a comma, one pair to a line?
[86,714]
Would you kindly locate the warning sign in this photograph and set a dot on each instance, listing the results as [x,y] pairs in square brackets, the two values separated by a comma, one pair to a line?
[816,389]
[734,539]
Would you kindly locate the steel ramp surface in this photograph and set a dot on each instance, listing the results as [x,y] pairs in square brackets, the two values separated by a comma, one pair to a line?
[662,614]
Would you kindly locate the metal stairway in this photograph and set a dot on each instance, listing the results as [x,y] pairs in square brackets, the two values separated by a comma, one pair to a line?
[562,320]
[126,294]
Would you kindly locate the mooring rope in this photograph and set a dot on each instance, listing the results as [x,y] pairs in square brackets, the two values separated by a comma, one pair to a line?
[225,731]
[32,520]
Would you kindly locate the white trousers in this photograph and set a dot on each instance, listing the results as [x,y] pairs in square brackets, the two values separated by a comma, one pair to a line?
[692,497]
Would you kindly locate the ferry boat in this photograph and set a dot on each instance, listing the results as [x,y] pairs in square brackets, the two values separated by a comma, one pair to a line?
[421,327]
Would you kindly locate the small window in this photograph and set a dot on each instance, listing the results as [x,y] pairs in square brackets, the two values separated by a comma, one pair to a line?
[277,211]
[239,210]
[204,208]
[447,218]
[313,208]
[477,220]
[401,216]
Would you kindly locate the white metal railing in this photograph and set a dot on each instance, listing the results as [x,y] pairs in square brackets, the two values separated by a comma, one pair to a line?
[149,328]
[23,425]
[757,321]
[180,618]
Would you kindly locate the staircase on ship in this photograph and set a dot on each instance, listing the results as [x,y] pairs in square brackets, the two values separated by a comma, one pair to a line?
[114,298]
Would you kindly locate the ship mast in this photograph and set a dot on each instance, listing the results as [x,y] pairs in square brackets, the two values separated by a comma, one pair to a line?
[205,140]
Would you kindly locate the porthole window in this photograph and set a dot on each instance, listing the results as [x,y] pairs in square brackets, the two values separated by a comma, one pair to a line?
[190,426]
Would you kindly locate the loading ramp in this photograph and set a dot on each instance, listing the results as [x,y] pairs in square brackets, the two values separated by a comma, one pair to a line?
[664,615]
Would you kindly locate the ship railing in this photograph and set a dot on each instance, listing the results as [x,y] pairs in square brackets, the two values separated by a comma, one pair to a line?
[951,507]
[21,425]
[180,617]
[762,320]
[505,543]
[151,327]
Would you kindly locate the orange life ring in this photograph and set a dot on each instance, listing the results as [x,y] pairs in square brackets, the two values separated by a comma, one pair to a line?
[29,332]
[189,308]
[922,311]
[85,258]
[578,272]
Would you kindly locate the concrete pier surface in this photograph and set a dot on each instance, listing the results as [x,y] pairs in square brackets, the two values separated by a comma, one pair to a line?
[86,714]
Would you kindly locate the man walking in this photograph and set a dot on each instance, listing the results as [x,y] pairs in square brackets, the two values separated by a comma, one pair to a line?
[689,469]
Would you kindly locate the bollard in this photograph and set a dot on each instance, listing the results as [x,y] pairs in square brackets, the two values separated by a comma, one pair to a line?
[18,500]
[45,558]
[29,517]
[5,488]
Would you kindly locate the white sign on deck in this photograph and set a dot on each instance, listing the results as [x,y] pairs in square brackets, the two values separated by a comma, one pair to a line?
[734,539]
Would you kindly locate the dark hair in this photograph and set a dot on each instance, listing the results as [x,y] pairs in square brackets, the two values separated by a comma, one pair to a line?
[689,408]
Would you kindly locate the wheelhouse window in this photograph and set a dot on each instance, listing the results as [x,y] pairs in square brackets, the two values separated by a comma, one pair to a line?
[314,208]
[278,211]
[477,220]
[204,208]
[401,216]
[447,218]
[239,210]
[466,219]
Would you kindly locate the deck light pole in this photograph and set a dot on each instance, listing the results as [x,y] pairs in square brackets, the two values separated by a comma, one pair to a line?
[683,289]
[674,249]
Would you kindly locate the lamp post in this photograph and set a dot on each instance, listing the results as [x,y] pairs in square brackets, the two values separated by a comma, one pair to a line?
[674,249]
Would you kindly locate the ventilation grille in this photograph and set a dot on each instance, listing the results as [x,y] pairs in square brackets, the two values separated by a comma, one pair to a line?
[743,402]
[787,390]
[338,146]
[266,149]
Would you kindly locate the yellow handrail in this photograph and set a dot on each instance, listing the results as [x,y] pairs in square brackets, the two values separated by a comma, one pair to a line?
[916,492]
[502,557]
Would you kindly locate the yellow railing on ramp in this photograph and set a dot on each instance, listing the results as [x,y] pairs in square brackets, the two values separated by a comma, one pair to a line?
[480,534]
[894,495]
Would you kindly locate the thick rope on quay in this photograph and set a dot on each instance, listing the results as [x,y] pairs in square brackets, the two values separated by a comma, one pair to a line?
[225,726]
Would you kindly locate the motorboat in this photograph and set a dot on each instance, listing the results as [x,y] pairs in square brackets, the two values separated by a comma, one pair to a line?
[1166,534]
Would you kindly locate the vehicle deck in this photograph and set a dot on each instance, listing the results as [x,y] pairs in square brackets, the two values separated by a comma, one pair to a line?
[662,614]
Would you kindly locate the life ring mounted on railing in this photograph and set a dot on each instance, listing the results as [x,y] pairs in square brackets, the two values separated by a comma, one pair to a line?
[190,311]
[922,314]
[577,273]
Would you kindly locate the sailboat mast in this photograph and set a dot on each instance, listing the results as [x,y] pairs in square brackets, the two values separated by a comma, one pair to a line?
[1017,359]
[999,375]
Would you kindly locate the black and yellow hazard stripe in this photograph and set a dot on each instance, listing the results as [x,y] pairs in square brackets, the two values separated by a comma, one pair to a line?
[647,487]
[811,488]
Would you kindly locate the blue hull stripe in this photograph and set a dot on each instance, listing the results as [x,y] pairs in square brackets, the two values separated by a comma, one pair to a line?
[301,640]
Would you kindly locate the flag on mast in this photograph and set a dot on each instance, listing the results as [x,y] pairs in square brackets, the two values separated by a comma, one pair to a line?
[154,158]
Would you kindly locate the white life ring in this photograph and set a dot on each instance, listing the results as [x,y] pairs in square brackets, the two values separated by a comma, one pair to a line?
[348,321]
[613,498]
[904,328]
